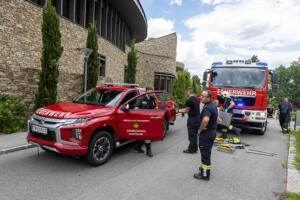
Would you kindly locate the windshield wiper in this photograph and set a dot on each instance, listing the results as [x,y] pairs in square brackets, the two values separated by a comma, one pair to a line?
[247,87]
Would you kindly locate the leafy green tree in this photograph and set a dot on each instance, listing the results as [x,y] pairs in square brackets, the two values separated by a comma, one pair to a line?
[254,59]
[51,52]
[288,81]
[182,82]
[132,60]
[93,60]
[196,84]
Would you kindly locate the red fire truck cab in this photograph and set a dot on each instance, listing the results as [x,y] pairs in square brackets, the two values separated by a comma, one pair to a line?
[100,120]
[247,84]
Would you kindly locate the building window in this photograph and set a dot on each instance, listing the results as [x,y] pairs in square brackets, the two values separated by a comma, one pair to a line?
[102,66]
[178,69]
[66,9]
[37,2]
[125,73]
[163,81]
[79,12]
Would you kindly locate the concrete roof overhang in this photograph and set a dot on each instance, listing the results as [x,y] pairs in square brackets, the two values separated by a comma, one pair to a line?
[134,15]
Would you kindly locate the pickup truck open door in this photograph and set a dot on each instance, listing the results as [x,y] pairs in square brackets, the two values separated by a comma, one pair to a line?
[142,124]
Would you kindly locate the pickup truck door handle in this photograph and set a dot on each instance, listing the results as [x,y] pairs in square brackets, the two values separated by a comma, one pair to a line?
[156,117]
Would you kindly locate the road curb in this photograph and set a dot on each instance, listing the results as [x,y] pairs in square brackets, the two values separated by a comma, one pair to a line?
[293,175]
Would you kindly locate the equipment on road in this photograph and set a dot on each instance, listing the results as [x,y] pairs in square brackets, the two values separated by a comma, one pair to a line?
[260,152]
[228,148]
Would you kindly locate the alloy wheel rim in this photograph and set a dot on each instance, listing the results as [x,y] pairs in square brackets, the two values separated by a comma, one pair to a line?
[101,148]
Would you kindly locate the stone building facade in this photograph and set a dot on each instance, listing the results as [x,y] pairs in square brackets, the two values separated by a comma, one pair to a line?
[21,45]
[157,62]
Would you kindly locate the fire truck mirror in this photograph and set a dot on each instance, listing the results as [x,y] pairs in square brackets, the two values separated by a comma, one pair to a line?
[274,81]
[204,78]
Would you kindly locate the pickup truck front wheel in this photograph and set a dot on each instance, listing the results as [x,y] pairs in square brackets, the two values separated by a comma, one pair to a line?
[165,128]
[100,148]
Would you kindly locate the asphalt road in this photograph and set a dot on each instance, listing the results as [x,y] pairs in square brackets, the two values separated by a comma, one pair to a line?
[134,176]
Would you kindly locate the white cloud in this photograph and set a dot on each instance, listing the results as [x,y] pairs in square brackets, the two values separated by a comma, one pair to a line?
[177,2]
[158,27]
[241,28]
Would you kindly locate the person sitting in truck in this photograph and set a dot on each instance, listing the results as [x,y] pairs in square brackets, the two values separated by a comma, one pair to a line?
[148,101]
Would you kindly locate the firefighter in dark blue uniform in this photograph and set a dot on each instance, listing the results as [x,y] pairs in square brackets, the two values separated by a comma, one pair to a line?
[207,134]
[285,109]
[228,107]
[193,109]
[146,102]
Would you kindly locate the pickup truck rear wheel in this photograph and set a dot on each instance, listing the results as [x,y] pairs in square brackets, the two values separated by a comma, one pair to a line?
[100,148]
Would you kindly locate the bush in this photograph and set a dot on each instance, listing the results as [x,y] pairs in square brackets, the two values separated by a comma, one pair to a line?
[12,114]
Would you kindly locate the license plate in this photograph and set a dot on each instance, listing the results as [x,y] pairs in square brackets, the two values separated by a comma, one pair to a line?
[237,111]
[39,129]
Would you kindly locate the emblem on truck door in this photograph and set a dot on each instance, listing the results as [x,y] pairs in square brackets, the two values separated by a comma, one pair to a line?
[136,125]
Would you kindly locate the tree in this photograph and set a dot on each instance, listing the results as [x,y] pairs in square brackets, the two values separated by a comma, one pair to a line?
[288,81]
[51,52]
[132,60]
[182,82]
[196,84]
[254,59]
[93,60]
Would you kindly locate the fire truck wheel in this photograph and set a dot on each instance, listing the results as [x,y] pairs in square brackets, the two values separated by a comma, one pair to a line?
[100,148]
[165,128]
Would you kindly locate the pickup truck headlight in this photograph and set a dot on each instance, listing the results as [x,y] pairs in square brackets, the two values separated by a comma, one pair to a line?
[77,121]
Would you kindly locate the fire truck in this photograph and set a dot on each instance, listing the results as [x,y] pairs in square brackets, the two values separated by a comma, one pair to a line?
[100,120]
[247,85]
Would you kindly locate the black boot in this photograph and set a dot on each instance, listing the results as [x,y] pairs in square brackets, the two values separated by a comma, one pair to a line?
[148,149]
[138,147]
[203,174]
[236,131]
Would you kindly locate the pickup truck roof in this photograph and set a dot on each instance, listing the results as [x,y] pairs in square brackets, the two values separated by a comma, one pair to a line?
[120,88]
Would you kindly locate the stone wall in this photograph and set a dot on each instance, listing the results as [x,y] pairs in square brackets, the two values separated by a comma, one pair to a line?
[156,55]
[21,47]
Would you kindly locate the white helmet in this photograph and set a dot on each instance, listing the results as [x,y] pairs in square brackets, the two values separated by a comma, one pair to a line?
[225,94]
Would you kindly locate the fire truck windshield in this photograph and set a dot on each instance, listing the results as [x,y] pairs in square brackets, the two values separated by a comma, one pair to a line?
[238,77]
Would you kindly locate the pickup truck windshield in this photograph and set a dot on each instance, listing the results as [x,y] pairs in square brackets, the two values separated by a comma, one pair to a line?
[99,97]
[235,77]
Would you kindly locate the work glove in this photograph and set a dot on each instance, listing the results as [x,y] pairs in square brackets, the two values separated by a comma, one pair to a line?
[226,110]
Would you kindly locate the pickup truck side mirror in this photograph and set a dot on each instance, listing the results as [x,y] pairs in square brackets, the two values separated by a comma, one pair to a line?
[125,107]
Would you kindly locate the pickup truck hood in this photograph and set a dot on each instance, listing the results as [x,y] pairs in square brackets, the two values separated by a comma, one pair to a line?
[73,110]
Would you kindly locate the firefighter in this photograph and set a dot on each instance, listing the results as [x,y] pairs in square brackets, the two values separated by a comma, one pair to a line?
[193,109]
[207,134]
[228,107]
[148,101]
[285,108]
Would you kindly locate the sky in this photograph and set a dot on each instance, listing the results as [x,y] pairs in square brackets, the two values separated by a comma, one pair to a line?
[218,30]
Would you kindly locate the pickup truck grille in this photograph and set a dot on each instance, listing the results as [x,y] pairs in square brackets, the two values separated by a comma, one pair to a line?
[51,137]
[238,115]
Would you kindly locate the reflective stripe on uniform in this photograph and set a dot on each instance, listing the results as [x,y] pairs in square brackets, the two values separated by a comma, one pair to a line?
[230,127]
[147,141]
[207,167]
[224,130]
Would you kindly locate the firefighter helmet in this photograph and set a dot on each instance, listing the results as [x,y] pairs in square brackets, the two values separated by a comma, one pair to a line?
[225,94]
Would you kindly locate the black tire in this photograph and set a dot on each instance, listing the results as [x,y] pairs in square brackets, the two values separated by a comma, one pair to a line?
[263,130]
[100,148]
[165,127]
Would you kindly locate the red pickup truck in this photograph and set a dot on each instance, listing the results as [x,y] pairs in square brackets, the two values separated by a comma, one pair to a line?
[100,120]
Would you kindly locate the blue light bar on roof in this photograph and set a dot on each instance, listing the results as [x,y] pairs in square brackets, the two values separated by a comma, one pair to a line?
[261,64]
[217,63]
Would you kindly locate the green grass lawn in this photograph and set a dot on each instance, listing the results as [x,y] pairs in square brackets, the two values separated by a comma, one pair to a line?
[297,158]
[293,196]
